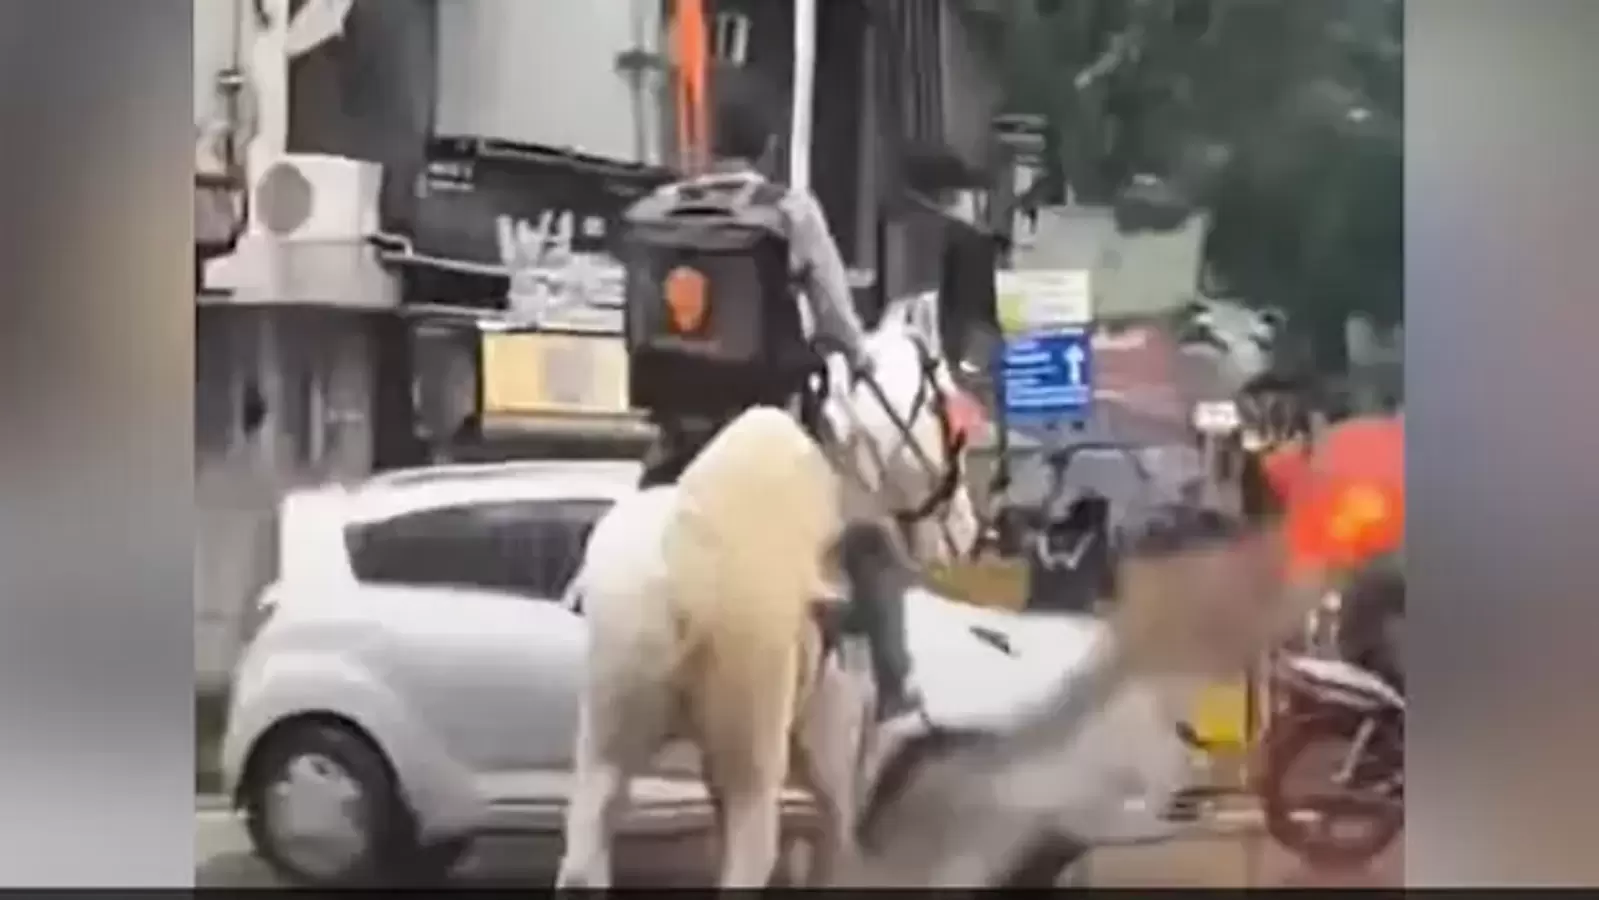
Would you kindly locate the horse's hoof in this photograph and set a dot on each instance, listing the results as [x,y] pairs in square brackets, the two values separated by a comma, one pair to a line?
[795,864]
[574,881]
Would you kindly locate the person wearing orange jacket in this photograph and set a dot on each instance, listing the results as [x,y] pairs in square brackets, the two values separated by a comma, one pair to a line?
[1344,523]
[1344,495]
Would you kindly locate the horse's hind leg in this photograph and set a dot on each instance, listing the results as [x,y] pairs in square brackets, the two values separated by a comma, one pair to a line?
[748,717]
[611,746]
[751,829]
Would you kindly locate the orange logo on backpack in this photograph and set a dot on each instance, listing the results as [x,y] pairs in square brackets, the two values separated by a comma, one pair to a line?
[686,299]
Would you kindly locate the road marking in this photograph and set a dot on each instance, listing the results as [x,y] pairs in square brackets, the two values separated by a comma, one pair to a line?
[1236,817]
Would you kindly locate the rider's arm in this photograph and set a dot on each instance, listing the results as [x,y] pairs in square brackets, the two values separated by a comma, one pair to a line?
[825,281]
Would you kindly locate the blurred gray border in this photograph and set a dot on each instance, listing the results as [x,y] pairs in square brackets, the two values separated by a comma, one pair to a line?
[1502,200]
[95,502]
[96,483]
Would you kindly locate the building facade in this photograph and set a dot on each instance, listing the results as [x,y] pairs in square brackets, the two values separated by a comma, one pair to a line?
[496,142]
[291,304]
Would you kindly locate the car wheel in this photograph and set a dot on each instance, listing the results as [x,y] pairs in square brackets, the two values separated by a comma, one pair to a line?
[1052,861]
[322,808]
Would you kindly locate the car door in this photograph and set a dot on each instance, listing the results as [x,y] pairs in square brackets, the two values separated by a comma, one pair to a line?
[545,645]
[476,644]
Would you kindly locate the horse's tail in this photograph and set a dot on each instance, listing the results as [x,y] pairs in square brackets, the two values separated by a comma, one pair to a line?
[754,516]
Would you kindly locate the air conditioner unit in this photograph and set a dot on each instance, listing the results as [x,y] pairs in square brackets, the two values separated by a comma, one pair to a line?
[307,238]
[313,197]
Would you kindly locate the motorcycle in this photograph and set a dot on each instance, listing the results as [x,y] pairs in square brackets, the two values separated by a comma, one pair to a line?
[1338,697]
[1339,729]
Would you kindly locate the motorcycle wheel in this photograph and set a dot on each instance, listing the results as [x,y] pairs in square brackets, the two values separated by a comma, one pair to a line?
[1309,827]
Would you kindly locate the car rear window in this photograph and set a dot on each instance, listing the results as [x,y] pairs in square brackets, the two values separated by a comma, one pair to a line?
[528,547]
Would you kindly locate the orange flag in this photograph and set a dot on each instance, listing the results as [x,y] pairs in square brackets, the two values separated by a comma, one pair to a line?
[693,57]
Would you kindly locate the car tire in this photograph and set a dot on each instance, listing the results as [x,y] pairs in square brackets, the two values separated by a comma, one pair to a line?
[390,854]
[1052,861]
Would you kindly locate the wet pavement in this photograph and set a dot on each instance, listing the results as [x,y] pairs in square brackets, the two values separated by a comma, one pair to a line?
[1201,857]
[1230,861]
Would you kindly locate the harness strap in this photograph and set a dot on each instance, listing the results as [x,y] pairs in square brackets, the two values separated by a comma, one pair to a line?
[953,444]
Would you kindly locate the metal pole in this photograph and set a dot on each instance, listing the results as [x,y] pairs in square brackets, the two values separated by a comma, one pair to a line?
[1212,490]
[799,137]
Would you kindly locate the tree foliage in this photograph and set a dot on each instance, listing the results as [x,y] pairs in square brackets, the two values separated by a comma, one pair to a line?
[1283,117]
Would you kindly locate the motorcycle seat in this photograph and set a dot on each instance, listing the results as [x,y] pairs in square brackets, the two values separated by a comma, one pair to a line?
[1341,674]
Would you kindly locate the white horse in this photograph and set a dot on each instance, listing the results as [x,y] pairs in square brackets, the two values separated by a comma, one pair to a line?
[700,597]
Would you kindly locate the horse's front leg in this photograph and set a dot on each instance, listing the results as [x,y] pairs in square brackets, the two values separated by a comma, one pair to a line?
[620,729]
[828,744]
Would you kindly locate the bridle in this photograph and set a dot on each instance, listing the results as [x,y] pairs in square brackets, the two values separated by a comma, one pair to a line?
[931,398]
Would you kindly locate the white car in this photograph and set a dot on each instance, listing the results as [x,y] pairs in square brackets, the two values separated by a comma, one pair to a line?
[413,680]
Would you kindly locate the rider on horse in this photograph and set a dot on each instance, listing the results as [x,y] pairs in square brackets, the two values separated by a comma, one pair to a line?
[717,263]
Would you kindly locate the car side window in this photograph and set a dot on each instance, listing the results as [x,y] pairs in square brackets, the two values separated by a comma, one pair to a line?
[530,547]
[542,540]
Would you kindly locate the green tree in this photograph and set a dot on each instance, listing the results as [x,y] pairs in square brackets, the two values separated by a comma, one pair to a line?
[1283,118]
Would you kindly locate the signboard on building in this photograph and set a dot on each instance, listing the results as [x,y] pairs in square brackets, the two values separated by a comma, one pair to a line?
[528,373]
[1047,376]
[1216,417]
[1046,365]
[525,231]
[1030,301]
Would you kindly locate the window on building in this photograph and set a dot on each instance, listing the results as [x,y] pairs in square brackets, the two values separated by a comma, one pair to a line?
[229,405]
[730,38]
[252,407]
[301,412]
[214,411]
[915,40]
[530,548]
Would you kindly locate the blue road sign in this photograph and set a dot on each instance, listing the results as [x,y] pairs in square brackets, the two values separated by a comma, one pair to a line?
[1048,376]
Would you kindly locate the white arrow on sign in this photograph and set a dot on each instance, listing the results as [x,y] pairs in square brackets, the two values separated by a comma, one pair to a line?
[1075,357]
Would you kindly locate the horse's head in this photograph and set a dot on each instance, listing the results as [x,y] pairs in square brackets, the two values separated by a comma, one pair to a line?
[907,430]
